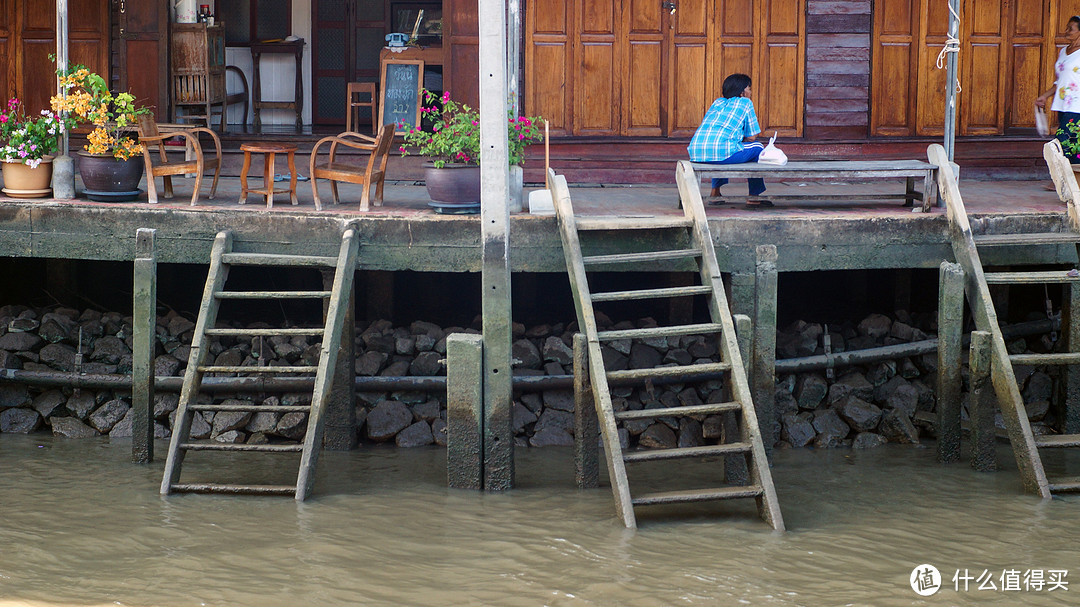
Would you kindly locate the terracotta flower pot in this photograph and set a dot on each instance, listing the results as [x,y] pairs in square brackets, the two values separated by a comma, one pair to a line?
[107,179]
[455,188]
[22,181]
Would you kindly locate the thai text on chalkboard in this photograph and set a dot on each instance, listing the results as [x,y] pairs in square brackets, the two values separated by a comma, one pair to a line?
[401,84]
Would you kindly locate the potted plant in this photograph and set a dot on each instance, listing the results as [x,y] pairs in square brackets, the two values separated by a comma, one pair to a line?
[453,145]
[28,146]
[108,165]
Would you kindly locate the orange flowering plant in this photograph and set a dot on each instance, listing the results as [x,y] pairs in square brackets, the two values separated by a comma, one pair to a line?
[89,100]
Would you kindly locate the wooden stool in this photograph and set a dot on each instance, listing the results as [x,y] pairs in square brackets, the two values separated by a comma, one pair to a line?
[269,149]
[355,88]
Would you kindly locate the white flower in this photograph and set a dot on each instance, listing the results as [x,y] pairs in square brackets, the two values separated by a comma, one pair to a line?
[33,163]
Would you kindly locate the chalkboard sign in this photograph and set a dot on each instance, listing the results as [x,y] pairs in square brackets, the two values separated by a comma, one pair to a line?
[401,83]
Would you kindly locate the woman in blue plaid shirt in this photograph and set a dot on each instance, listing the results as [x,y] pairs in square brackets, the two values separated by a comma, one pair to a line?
[726,136]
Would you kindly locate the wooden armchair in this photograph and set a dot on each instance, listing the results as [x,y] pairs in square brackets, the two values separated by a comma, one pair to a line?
[154,134]
[351,168]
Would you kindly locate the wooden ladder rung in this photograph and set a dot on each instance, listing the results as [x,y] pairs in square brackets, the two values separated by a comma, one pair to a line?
[1000,240]
[1061,358]
[697,495]
[1023,278]
[266,332]
[253,408]
[253,369]
[270,259]
[704,328]
[242,447]
[233,489]
[652,293]
[708,409]
[685,452]
[1065,485]
[673,371]
[272,294]
[641,257]
[1057,441]
[650,222]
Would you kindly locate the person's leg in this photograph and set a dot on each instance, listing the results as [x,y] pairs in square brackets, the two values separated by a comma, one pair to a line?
[750,152]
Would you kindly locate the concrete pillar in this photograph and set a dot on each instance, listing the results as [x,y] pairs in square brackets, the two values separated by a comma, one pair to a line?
[340,432]
[735,471]
[464,411]
[1070,326]
[763,382]
[982,404]
[950,345]
[586,425]
[144,344]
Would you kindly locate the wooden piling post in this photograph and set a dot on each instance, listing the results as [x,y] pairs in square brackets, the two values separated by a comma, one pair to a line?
[763,381]
[950,348]
[735,470]
[1070,326]
[340,432]
[464,411]
[144,344]
[982,404]
[586,424]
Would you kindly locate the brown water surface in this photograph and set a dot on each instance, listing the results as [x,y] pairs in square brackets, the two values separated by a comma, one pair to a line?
[81,525]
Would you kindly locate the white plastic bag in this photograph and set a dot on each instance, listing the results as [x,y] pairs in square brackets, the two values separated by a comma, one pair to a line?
[772,154]
[1042,125]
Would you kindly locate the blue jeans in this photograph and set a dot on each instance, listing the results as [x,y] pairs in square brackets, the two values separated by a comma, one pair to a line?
[1064,118]
[750,152]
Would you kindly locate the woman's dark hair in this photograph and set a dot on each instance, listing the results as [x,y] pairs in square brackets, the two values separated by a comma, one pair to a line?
[1074,19]
[735,84]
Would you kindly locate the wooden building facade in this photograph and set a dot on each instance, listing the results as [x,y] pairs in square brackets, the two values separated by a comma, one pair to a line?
[626,70]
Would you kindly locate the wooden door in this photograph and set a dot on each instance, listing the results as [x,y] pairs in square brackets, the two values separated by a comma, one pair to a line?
[687,75]
[141,49]
[346,40]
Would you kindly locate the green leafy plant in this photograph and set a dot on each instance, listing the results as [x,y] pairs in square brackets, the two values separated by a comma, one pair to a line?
[90,101]
[454,136]
[28,140]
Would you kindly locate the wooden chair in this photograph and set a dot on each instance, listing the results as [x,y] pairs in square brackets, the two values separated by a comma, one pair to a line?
[152,133]
[353,104]
[350,168]
[199,74]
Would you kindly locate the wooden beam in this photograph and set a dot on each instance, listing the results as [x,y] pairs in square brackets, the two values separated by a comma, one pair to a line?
[982,404]
[586,424]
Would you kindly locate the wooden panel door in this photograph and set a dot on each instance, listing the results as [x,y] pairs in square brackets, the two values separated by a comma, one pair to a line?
[983,65]
[780,75]
[142,53]
[644,58]
[688,92]
[598,90]
[8,35]
[1029,51]
[895,80]
[548,45]
[461,41]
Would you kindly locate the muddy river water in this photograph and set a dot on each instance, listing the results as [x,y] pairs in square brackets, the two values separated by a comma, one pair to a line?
[81,525]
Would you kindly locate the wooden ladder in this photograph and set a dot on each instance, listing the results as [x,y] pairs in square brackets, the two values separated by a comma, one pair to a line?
[749,445]
[222,258]
[965,247]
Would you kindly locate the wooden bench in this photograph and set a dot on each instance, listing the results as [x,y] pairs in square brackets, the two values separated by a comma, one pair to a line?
[833,169]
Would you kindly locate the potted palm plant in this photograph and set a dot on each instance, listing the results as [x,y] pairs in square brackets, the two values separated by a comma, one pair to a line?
[110,164]
[452,143]
[28,148]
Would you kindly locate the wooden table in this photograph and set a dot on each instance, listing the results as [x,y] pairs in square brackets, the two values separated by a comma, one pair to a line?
[835,169]
[269,150]
[296,48]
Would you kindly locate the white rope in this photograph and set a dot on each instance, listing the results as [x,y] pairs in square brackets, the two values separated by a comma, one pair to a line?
[952,45]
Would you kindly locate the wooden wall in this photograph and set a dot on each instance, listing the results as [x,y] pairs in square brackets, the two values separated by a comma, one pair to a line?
[837,69]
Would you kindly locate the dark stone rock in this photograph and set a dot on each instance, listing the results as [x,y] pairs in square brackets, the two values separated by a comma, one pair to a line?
[902,331]
[905,398]
[55,328]
[438,432]
[896,426]
[232,437]
[370,363]
[613,360]
[868,440]
[105,417]
[556,350]
[797,431]
[1037,410]
[48,402]
[200,428]
[109,349]
[378,342]
[859,414]
[166,366]
[387,419]
[58,356]
[81,404]
[712,427]
[644,357]
[1038,387]
[10,360]
[20,342]
[165,403]
[875,325]
[19,421]
[907,369]
[405,345]
[552,368]
[69,427]
[785,402]
[416,435]
[24,323]
[828,422]
[538,331]
[258,438]
[562,400]
[533,401]
[178,326]
[426,364]
[231,420]
[678,356]
[521,416]
[551,437]
[690,433]
[12,395]
[852,383]
[426,411]
[703,348]
[123,428]
[658,436]
[262,422]
[292,425]
[420,327]
[398,368]
[525,354]
[881,372]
